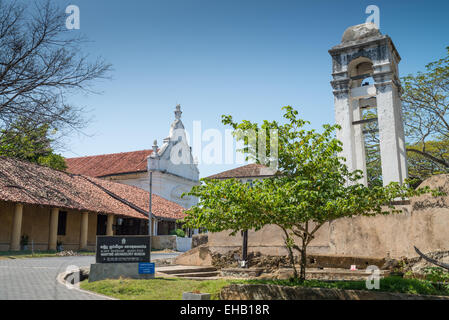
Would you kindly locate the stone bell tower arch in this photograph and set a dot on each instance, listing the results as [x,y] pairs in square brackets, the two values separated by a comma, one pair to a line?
[364,53]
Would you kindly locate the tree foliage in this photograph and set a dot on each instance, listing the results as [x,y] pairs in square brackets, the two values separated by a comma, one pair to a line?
[426,114]
[30,142]
[313,186]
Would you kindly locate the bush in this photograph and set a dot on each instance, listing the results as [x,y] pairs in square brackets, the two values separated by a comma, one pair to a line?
[436,274]
[388,284]
[178,232]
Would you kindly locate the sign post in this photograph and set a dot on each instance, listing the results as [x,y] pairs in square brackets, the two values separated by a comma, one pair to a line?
[122,256]
[122,249]
[150,215]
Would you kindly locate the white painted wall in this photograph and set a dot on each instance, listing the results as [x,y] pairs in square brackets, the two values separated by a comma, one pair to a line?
[183,244]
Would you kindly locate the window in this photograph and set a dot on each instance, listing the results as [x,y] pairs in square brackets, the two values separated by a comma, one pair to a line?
[62,223]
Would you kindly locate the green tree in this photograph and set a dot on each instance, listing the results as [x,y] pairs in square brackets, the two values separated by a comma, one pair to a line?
[27,141]
[313,186]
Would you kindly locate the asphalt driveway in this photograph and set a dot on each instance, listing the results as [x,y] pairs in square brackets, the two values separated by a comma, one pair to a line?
[36,279]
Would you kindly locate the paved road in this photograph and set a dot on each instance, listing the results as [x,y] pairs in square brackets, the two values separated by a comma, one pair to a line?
[35,279]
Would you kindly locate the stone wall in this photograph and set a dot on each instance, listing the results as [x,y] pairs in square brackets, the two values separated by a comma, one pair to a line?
[199,256]
[274,292]
[199,239]
[422,223]
[163,242]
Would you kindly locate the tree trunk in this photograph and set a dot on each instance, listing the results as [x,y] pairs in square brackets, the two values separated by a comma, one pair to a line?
[245,248]
[290,253]
[303,262]
[292,261]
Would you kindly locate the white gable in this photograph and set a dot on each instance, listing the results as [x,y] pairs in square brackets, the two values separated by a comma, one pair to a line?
[175,171]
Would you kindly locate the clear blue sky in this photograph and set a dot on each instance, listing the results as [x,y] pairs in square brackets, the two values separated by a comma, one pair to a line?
[247,58]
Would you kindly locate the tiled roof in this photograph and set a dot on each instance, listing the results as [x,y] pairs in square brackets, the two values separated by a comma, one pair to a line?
[109,164]
[249,171]
[27,183]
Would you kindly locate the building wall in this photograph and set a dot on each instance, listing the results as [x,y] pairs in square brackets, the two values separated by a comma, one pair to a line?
[36,224]
[71,241]
[6,218]
[379,236]
[165,185]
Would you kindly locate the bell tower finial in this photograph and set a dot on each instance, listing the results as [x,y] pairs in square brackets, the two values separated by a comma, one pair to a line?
[155,148]
[178,112]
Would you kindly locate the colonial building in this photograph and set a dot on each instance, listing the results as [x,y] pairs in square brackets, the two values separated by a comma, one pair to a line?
[172,164]
[40,207]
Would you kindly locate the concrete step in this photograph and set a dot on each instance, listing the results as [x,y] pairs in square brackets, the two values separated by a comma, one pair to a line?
[176,270]
[341,274]
[197,274]
[202,278]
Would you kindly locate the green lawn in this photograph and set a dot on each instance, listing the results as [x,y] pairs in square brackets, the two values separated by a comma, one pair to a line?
[172,289]
[37,254]
[155,289]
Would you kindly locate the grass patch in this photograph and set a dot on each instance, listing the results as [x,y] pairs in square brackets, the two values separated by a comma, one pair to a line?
[155,289]
[36,254]
[172,288]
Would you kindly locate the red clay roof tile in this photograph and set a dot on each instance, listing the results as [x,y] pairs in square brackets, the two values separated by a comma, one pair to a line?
[109,164]
[28,183]
[249,171]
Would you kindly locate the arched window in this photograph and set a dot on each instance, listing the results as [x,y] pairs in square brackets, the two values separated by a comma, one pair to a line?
[361,72]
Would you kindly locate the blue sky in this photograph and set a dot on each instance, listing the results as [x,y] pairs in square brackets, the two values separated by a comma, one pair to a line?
[246,58]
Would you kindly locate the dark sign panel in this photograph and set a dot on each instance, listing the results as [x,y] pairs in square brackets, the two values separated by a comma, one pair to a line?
[123,249]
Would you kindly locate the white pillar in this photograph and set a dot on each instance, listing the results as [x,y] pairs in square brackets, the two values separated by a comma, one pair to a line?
[359,142]
[155,227]
[84,230]
[109,229]
[53,232]
[344,118]
[391,134]
[16,228]
[401,137]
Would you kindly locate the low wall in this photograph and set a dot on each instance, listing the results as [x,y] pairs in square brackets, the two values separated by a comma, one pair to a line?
[199,256]
[183,244]
[392,235]
[103,271]
[163,242]
[199,239]
[422,223]
[274,292]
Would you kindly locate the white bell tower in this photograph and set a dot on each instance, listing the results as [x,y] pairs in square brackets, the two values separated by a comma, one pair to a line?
[365,53]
